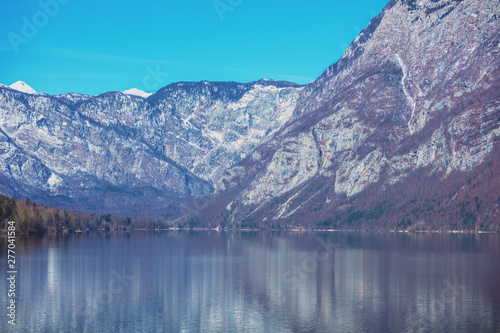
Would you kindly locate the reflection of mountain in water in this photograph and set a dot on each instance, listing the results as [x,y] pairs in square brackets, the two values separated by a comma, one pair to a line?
[217,282]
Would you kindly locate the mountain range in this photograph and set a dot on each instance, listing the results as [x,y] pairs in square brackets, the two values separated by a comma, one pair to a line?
[401,133]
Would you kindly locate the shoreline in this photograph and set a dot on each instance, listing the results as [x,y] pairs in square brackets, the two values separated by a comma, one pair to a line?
[293,230]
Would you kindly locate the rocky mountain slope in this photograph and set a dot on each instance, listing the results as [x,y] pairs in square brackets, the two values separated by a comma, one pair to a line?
[402,132]
[125,154]
[415,96]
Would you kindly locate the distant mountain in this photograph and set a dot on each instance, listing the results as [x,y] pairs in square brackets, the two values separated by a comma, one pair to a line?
[137,92]
[127,155]
[402,132]
[22,87]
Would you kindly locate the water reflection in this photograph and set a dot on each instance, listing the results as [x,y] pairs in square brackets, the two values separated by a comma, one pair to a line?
[256,282]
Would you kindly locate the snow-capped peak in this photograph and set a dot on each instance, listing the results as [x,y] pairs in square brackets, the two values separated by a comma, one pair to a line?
[137,92]
[22,87]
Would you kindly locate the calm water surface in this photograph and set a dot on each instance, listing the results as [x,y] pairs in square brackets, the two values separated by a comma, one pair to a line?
[255,282]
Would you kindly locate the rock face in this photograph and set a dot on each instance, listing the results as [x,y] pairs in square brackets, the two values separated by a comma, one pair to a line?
[129,155]
[417,93]
[402,132]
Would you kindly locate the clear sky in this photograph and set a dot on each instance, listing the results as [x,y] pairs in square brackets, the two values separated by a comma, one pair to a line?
[94,46]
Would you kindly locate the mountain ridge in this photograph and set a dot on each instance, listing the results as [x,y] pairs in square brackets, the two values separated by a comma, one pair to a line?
[341,140]
[89,150]
[415,96]
[137,92]
[22,87]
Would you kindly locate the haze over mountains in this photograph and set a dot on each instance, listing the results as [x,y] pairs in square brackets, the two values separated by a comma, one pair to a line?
[401,132]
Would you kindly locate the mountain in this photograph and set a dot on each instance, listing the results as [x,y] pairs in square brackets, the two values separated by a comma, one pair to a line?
[126,155]
[22,87]
[137,92]
[402,132]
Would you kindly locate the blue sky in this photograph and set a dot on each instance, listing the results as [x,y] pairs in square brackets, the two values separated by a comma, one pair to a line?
[59,46]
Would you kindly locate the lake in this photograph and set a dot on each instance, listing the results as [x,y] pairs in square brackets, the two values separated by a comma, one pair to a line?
[182,281]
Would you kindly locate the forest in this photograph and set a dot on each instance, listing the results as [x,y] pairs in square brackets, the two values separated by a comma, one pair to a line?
[31,217]
[468,202]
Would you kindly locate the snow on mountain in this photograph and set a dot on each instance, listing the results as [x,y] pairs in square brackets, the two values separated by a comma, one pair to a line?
[74,97]
[22,87]
[137,92]
[393,135]
[157,152]
[402,132]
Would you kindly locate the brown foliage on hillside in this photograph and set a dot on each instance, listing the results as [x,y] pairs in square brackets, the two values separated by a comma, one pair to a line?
[31,217]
